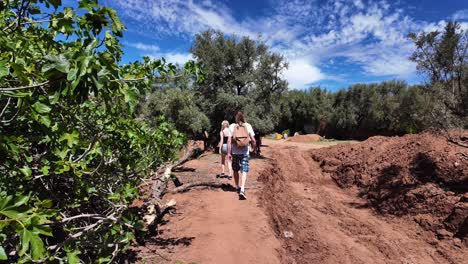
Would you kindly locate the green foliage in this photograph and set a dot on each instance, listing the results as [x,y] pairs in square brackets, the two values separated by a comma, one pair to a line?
[177,106]
[71,149]
[362,110]
[241,75]
[442,57]
[310,108]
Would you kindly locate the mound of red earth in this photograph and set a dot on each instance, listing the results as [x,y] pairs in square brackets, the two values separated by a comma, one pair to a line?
[421,176]
[305,138]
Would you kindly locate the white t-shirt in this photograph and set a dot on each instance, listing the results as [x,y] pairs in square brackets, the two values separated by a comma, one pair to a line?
[234,148]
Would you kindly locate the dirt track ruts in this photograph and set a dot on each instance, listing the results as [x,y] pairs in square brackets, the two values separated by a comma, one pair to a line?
[294,214]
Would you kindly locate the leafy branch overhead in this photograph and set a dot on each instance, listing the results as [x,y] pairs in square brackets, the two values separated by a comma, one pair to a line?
[71,147]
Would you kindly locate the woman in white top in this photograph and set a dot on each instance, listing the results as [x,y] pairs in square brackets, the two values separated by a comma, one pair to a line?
[223,135]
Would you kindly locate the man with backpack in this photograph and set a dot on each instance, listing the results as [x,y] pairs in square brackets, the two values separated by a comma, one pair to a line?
[241,134]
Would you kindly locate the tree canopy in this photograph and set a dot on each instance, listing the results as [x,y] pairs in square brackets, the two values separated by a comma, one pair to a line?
[240,74]
[442,57]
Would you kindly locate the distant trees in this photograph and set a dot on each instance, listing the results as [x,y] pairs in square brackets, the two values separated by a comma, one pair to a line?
[392,108]
[310,108]
[242,74]
[362,110]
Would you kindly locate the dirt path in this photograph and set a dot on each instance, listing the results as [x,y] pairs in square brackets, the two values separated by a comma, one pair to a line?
[213,226]
[294,214]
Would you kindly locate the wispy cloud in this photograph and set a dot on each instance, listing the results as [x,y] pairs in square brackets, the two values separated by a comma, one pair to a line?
[143,46]
[460,15]
[176,58]
[369,34]
[154,51]
[179,58]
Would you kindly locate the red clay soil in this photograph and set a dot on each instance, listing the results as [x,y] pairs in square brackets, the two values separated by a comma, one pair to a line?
[212,225]
[305,138]
[423,177]
[296,213]
[334,225]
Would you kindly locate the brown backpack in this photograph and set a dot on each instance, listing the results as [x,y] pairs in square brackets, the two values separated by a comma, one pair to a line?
[241,136]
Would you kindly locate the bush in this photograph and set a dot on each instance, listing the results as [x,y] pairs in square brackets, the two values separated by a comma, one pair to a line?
[71,151]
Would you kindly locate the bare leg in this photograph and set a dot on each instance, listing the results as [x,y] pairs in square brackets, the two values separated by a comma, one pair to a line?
[244,179]
[223,161]
[236,178]
[229,162]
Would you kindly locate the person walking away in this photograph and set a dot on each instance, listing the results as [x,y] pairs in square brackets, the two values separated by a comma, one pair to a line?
[223,148]
[258,141]
[240,135]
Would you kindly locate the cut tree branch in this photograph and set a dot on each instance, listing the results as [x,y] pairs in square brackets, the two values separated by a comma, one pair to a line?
[145,78]
[94,216]
[6,106]
[42,21]
[4,89]
[91,145]
[212,184]
[156,209]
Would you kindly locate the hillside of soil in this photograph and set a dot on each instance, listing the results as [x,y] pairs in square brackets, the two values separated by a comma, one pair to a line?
[422,177]
[305,138]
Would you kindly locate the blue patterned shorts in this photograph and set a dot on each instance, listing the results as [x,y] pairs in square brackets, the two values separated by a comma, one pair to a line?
[240,162]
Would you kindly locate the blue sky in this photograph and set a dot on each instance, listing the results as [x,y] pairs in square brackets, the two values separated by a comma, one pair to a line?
[331,44]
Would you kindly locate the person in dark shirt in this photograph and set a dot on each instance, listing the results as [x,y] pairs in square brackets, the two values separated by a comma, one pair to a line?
[258,140]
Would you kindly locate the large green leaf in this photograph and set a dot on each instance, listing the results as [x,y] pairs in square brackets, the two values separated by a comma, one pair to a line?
[117,26]
[73,258]
[25,237]
[26,171]
[31,241]
[3,255]
[41,108]
[37,247]
[71,76]
[4,201]
[131,96]
[45,120]
[21,200]
[10,209]
[4,71]
[62,154]
[43,230]
[12,214]
[58,62]
[83,62]
[71,138]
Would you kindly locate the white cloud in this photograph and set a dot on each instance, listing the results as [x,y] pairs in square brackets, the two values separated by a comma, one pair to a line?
[143,46]
[172,57]
[178,58]
[179,17]
[358,4]
[461,15]
[301,73]
[370,34]
[155,52]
